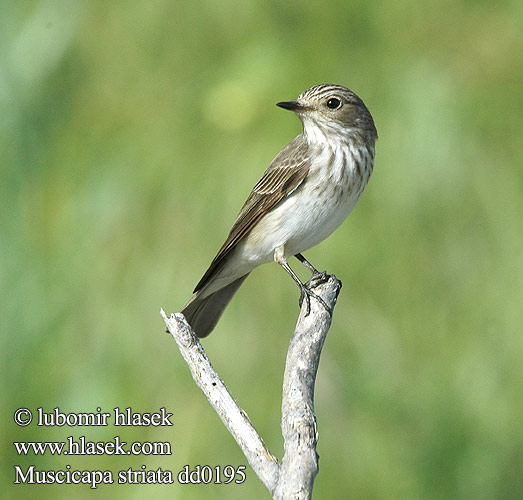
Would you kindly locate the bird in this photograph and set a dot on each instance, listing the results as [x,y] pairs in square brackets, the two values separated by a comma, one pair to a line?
[306,192]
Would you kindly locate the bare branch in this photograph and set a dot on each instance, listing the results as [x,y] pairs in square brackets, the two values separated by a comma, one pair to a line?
[292,479]
[299,465]
[235,419]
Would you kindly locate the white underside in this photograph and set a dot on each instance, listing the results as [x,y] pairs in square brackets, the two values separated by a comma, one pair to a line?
[306,217]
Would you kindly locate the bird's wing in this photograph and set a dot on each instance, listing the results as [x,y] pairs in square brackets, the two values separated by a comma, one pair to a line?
[285,173]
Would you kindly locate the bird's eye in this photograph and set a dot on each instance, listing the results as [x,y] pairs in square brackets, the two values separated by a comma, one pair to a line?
[333,103]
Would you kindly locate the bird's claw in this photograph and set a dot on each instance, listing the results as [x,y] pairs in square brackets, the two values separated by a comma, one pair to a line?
[317,279]
[307,293]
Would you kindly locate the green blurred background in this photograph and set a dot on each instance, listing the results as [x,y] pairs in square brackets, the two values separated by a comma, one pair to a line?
[125,125]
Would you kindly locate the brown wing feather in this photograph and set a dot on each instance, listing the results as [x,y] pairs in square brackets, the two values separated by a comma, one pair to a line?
[285,173]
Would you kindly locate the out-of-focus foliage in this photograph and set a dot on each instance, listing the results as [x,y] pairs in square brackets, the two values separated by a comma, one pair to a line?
[130,135]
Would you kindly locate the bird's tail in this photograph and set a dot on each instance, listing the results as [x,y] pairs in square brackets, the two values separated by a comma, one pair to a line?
[203,313]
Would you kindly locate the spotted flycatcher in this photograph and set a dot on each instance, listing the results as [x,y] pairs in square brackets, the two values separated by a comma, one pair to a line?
[304,195]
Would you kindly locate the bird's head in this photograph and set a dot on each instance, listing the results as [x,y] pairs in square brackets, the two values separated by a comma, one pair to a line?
[332,112]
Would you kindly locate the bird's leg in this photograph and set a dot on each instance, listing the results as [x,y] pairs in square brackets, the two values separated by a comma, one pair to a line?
[307,264]
[305,292]
[317,277]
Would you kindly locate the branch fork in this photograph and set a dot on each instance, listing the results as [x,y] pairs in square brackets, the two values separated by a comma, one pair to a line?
[293,477]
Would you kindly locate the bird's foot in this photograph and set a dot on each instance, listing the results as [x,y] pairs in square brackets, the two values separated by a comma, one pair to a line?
[318,278]
[307,293]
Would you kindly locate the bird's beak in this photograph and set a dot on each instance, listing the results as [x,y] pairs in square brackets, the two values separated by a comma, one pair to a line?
[292,105]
